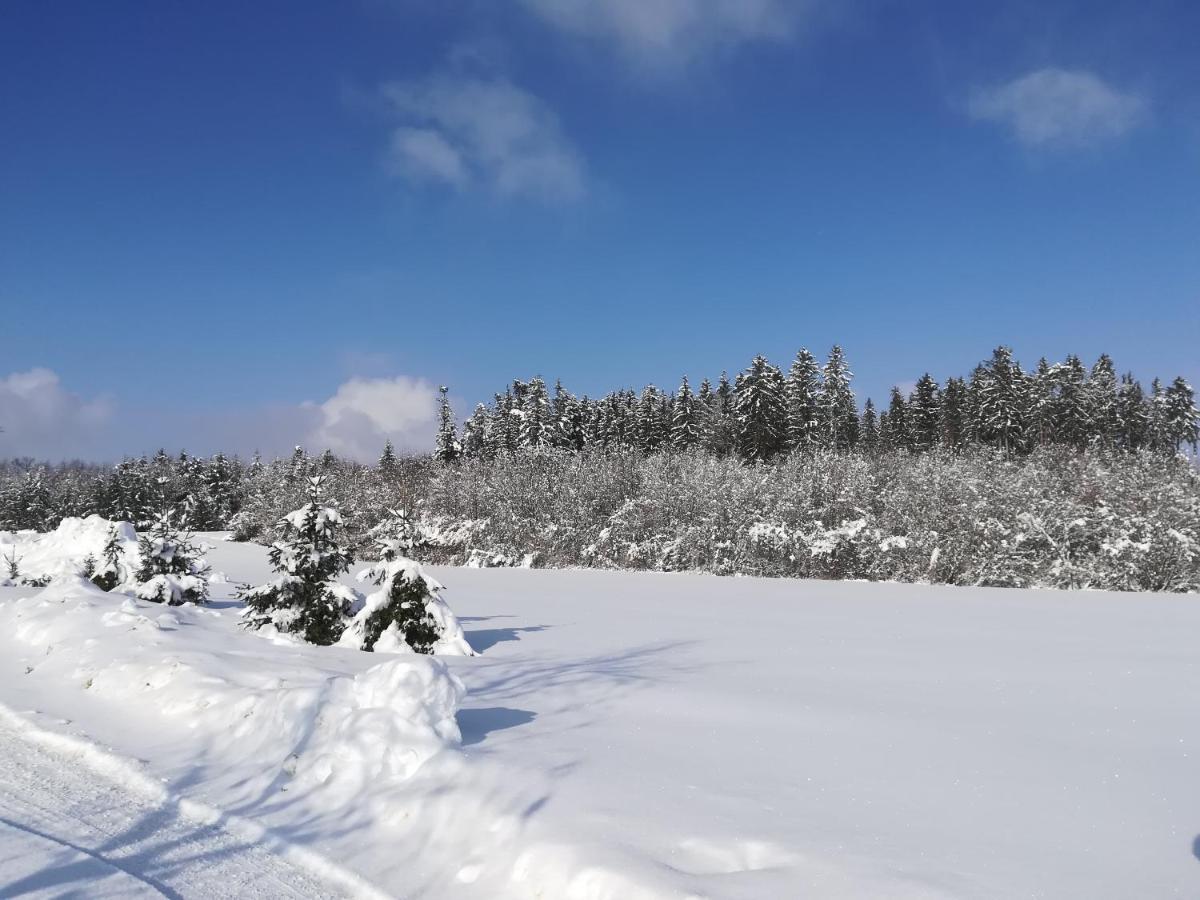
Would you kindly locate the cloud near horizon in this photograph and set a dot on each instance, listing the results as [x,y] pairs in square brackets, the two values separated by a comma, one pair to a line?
[1059,108]
[467,131]
[44,420]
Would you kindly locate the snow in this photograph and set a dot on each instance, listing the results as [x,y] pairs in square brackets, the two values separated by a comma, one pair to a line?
[60,553]
[655,736]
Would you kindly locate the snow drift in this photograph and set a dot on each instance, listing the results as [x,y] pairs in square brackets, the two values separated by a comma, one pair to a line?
[334,736]
[60,553]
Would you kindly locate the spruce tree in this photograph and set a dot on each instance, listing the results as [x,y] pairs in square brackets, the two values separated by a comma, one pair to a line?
[112,571]
[868,429]
[650,430]
[447,448]
[306,598]
[1181,421]
[895,432]
[387,460]
[536,426]
[803,394]
[1002,402]
[406,609]
[685,430]
[761,411]
[954,398]
[171,569]
[1133,414]
[837,409]
[1102,402]
[475,434]
[925,414]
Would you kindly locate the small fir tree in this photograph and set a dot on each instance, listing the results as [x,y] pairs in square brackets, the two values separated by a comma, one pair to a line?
[406,611]
[111,572]
[305,598]
[171,570]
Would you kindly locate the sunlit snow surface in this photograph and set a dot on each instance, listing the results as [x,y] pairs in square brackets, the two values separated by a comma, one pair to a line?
[631,735]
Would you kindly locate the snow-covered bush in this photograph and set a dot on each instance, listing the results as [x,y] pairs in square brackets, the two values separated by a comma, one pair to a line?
[111,569]
[405,612]
[306,598]
[171,570]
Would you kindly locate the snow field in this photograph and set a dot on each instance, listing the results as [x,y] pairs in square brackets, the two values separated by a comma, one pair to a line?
[661,737]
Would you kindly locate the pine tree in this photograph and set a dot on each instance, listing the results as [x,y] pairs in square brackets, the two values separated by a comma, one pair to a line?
[1133,414]
[954,398]
[113,571]
[1002,402]
[475,434]
[925,414]
[650,431]
[1073,422]
[1180,419]
[895,433]
[1043,405]
[868,429]
[1101,401]
[803,395]
[535,420]
[761,411]
[407,608]
[838,413]
[305,598]
[685,429]
[447,448]
[387,460]
[171,569]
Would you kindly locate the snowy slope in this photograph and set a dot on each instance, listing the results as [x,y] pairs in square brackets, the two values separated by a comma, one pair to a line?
[638,735]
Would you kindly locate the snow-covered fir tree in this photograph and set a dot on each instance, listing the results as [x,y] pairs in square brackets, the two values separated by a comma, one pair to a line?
[925,414]
[447,449]
[387,460]
[685,428]
[171,569]
[761,411]
[1181,422]
[111,569]
[837,411]
[803,396]
[305,598]
[405,613]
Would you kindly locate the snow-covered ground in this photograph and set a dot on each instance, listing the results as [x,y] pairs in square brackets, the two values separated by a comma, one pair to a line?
[623,735]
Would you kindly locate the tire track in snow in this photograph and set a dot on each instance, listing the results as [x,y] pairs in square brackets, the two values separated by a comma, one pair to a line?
[70,830]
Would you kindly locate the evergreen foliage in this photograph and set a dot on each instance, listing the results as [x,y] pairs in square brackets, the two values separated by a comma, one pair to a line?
[306,598]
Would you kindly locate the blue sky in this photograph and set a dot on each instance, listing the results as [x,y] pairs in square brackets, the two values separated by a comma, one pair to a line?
[245,225]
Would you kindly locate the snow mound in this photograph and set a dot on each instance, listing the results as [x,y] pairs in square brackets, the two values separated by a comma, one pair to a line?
[338,737]
[60,553]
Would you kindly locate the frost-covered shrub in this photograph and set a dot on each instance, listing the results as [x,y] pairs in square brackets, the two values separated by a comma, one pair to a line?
[305,599]
[405,612]
[111,569]
[171,569]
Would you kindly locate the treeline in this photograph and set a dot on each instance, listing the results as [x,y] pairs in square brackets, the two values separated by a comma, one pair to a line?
[764,414]
[1055,517]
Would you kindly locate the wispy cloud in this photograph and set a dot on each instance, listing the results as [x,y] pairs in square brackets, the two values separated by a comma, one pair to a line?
[1059,108]
[674,33]
[43,419]
[40,417]
[466,132]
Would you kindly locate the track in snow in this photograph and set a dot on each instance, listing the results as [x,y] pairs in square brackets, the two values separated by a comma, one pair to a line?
[67,832]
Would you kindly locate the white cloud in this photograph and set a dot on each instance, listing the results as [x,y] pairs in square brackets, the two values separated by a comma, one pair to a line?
[41,418]
[367,412]
[1059,108]
[672,33]
[468,131]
